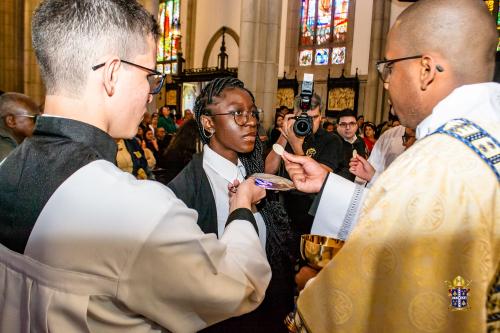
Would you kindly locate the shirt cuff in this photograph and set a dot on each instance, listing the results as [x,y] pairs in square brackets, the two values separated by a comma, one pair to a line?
[317,199]
[242,214]
[339,208]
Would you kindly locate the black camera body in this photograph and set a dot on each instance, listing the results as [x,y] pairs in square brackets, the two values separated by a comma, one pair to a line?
[303,123]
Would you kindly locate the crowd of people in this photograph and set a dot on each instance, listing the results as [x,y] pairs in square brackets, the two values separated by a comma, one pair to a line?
[186,240]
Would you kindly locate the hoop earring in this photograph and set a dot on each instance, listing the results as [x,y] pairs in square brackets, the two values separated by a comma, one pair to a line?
[208,136]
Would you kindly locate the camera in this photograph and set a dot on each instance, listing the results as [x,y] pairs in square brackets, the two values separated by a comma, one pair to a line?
[303,123]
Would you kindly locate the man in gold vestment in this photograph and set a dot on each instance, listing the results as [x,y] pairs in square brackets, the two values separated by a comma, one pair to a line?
[434,214]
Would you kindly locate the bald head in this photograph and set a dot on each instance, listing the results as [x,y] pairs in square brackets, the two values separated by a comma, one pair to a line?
[14,104]
[16,112]
[460,31]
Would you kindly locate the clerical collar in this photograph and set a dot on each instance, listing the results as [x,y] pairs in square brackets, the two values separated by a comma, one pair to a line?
[354,138]
[475,102]
[78,131]
[223,167]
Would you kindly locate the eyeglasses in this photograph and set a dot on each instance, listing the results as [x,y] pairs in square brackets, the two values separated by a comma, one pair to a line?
[242,117]
[384,67]
[345,125]
[34,117]
[407,138]
[154,77]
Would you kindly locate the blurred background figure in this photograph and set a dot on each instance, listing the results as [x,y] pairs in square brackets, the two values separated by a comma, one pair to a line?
[388,147]
[179,152]
[329,127]
[188,114]
[146,121]
[275,131]
[166,121]
[131,158]
[369,130]
[151,143]
[154,122]
[18,114]
[162,139]
[361,121]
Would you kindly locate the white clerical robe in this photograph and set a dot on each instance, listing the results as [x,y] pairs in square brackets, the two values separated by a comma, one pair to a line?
[433,215]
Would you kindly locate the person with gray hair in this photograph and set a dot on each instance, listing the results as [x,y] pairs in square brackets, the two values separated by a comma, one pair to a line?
[325,148]
[18,113]
[76,255]
[424,251]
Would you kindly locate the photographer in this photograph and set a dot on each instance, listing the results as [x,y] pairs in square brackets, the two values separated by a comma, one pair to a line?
[323,147]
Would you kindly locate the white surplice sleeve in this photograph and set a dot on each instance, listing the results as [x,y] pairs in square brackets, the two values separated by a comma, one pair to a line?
[185,280]
[339,207]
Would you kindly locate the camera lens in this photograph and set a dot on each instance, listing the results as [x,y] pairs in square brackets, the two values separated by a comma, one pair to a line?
[303,125]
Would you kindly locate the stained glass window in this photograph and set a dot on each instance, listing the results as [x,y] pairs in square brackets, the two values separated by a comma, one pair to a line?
[338,55]
[323,33]
[305,58]
[340,19]
[308,21]
[168,19]
[323,28]
[322,56]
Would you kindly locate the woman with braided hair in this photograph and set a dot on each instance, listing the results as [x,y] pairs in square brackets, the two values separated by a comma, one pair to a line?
[228,123]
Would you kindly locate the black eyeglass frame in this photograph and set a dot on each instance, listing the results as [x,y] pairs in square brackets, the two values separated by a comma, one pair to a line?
[388,63]
[349,124]
[34,116]
[405,138]
[255,113]
[152,72]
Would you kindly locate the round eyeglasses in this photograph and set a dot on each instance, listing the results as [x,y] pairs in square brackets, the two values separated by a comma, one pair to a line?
[241,118]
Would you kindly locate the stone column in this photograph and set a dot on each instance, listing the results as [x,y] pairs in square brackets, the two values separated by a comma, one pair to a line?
[374,98]
[259,52]
[33,84]
[11,46]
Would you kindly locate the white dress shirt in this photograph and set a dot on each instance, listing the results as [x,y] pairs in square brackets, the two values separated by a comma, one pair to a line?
[221,172]
[387,148]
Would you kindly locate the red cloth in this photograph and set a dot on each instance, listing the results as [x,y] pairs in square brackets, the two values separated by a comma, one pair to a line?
[369,144]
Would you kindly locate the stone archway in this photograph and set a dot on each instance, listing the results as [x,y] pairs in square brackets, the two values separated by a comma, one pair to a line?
[214,39]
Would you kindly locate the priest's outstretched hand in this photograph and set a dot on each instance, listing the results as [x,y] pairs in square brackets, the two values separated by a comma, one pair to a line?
[307,174]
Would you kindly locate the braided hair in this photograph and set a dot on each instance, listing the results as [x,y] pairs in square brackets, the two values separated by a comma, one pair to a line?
[274,214]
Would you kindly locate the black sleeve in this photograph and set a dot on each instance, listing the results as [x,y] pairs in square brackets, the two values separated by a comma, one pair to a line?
[332,152]
[242,214]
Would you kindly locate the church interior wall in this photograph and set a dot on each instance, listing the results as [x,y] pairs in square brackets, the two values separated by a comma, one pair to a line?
[211,15]
[200,20]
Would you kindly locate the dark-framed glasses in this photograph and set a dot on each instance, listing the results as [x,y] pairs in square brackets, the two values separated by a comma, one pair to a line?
[154,77]
[350,124]
[32,116]
[384,67]
[406,138]
[242,117]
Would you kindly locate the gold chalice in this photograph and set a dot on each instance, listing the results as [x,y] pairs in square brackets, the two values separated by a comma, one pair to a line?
[319,250]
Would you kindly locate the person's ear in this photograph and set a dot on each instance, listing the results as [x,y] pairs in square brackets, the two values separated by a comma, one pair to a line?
[208,124]
[110,75]
[10,121]
[428,69]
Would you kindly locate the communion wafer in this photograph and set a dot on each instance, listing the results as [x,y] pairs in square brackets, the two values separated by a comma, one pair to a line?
[278,149]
